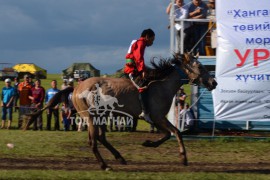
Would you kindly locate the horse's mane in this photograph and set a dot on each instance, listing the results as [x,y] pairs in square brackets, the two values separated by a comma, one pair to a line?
[161,69]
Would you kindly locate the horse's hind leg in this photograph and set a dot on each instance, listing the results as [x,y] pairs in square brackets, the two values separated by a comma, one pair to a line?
[93,136]
[103,140]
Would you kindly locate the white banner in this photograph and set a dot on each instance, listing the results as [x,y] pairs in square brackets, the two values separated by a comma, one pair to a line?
[243,60]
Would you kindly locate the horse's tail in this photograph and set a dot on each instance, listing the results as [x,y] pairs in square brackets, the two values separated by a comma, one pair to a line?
[120,105]
[61,96]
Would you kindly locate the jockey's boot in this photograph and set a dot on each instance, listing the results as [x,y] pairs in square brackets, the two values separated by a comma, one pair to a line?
[146,117]
[145,113]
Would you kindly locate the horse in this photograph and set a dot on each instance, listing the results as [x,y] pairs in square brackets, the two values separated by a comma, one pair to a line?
[166,76]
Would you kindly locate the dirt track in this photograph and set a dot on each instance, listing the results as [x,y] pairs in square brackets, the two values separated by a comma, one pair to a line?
[161,159]
[88,164]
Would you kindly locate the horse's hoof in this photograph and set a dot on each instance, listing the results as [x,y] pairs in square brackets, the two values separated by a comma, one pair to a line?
[108,169]
[121,160]
[184,161]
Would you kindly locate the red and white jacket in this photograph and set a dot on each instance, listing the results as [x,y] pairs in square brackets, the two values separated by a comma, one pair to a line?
[136,53]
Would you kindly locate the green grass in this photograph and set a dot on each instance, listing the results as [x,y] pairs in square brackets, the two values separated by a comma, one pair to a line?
[34,174]
[39,150]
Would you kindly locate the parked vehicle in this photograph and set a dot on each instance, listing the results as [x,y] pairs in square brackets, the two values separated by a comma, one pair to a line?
[83,74]
[8,73]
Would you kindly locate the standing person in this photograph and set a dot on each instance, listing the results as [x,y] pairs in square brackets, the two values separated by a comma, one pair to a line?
[181,96]
[38,95]
[180,12]
[198,10]
[55,110]
[212,25]
[15,102]
[72,109]
[180,99]
[135,68]
[187,115]
[65,84]
[65,115]
[31,81]
[211,9]
[7,97]
[24,89]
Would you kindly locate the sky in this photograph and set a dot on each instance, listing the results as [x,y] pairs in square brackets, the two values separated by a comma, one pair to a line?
[53,34]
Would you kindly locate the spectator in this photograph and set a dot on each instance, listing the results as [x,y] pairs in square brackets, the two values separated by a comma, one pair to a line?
[198,10]
[31,81]
[187,115]
[7,97]
[15,102]
[211,14]
[212,25]
[55,110]
[72,109]
[180,12]
[181,96]
[38,95]
[24,89]
[180,99]
[65,115]
[64,85]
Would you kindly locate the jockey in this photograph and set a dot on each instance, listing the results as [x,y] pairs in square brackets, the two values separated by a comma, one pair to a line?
[135,67]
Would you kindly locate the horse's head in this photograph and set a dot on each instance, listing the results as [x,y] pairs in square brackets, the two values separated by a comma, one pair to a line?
[196,72]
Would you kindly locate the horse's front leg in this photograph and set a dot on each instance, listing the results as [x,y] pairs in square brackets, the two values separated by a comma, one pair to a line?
[168,128]
[178,135]
[149,143]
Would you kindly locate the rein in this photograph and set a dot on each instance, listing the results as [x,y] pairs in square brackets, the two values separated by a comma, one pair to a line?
[184,77]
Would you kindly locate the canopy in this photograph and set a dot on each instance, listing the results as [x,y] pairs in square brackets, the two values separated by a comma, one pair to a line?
[81,66]
[31,69]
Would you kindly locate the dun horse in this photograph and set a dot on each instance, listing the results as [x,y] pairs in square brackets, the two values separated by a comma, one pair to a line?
[166,78]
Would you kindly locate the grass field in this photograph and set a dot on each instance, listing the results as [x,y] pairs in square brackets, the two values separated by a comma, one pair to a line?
[67,155]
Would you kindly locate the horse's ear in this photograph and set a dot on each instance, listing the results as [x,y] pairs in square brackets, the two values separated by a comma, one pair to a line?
[186,58]
[176,55]
[197,55]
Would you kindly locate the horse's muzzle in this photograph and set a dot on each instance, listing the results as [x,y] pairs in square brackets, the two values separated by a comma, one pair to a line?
[213,85]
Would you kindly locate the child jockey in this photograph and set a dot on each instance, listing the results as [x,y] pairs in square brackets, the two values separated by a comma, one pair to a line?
[135,67]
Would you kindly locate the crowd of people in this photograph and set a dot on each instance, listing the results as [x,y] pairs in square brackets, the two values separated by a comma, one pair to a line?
[28,96]
[194,33]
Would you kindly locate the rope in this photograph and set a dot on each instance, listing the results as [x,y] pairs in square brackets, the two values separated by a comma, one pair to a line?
[198,98]
[184,118]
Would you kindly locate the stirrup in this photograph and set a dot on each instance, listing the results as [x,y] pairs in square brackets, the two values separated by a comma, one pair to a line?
[141,116]
[146,117]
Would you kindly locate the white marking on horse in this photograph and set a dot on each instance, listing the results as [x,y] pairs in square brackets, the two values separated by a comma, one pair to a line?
[96,100]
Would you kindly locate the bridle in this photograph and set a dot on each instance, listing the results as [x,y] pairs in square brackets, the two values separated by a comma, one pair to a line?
[184,78]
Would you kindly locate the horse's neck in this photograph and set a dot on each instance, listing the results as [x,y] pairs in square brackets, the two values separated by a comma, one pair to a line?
[172,83]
